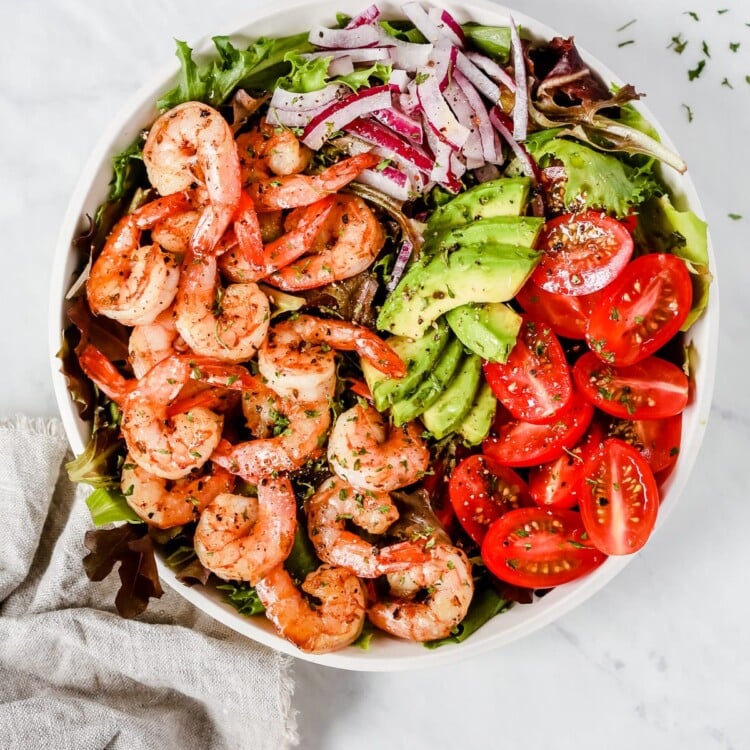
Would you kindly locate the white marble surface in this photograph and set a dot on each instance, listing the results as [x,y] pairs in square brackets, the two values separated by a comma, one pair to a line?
[661,657]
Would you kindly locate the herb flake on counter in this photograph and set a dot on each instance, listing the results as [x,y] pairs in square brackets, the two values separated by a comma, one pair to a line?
[735,217]
[697,70]
[722,11]
[678,44]
[692,15]
[726,83]
[704,47]
[688,112]
[626,25]
[625,44]
[734,46]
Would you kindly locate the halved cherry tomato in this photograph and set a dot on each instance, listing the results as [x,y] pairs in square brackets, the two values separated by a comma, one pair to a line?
[539,548]
[517,443]
[650,389]
[657,440]
[565,314]
[556,484]
[583,253]
[619,498]
[534,384]
[481,490]
[436,485]
[641,310]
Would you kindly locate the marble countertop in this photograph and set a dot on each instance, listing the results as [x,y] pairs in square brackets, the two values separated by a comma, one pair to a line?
[661,657]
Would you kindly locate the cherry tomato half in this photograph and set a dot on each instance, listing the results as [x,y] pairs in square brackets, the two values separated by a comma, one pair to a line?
[534,384]
[657,440]
[517,443]
[556,484]
[650,389]
[539,548]
[565,314]
[641,310]
[482,490]
[619,498]
[583,253]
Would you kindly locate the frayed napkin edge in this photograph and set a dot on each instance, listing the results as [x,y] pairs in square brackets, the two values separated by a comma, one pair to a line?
[36,425]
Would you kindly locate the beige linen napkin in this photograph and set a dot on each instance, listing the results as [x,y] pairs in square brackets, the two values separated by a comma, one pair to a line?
[73,674]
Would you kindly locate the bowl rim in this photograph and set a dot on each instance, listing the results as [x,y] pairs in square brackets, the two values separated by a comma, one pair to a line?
[259,630]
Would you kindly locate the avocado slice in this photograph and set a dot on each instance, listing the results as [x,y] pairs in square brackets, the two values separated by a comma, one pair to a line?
[431,387]
[419,355]
[474,273]
[488,330]
[447,413]
[502,230]
[476,424]
[506,196]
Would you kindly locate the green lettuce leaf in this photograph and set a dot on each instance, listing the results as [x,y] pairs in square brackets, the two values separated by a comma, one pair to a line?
[361,78]
[257,66]
[312,75]
[663,228]
[492,40]
[403,30]
[594,179]
[128,170]
[302,559]
[243,597]
[110,506]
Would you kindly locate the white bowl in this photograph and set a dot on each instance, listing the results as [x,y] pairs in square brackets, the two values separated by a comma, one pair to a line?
[385,654]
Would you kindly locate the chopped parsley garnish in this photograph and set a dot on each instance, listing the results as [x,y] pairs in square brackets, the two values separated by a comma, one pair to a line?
[734,46]
[726,83]
[692,15]
[697,70]
[689,112]
[735,217]
[625,26]
[626,43]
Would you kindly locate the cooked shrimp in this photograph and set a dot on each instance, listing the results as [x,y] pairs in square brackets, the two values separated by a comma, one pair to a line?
[129,282]
[166,504]
[243,538]
[446,578]
[227,324]
[364,452]
[192,143]
[268,150]
[285,249]
[168,445]
[286,432]
[347,245]
[333,624]
[332,505]
[150,343]
[297,360]
[290,191]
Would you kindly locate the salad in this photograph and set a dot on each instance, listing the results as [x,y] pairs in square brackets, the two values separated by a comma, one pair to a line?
[380,328]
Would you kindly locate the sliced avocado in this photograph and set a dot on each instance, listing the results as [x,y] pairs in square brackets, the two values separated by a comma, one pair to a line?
[475,273]
[499,230]
[488,330]
[447,413]
[476,424]
[431,387]
[507,196]
[419,355]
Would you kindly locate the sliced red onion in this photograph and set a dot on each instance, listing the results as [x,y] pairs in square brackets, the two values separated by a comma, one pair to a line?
[374,132]
[292,118]
[430,31]
[292,100]
[472,150]
[479,117]
[447,25]
[401,123]
[340,113]
[405,55]
[365,54]
[341,66]
[391,181]
[437,112]
[367,16]
[503,124]
[486,173]
[441,153]
[457,167]
[492,69]
[402,260]
[409,101]
[362,36]
[479,80]
[521,106]
[442,61]
[399,78]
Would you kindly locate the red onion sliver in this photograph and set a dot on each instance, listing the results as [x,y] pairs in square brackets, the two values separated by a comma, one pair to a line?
[437,112]
[472,150]
[391,181]
[409,101]
[402,260]
[292,118]
[447,25]
[374,132]
[502,122]
[401,123]
[441,153]
[399,78]
[341,66]
[479,80]
[442,61]
[492,69]
[417,15]
[479,118]
[362,36]
[521,106]
[292,100]
[367,16]
[365,54]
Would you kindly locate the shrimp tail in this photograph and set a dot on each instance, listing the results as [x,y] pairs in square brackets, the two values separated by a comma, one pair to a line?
[106,376]
[247,231]
[162,208]
[379,354]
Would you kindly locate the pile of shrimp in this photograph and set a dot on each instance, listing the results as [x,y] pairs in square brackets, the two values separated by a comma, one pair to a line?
[231,211]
